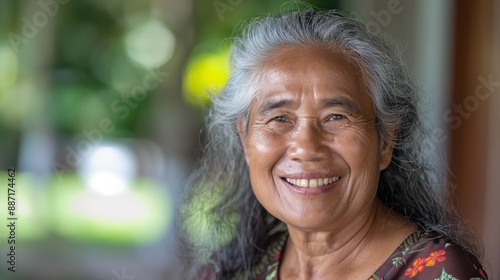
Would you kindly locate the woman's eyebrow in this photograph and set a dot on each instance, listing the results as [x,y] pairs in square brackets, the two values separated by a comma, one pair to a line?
[342,101]
[272,104]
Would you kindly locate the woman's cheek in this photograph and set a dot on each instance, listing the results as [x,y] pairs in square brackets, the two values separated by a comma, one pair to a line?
[266,142]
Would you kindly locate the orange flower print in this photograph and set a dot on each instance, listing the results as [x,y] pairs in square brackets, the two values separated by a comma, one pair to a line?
[435,257]
[418,266]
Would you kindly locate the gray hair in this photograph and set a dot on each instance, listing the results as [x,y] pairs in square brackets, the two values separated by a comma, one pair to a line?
[411,185]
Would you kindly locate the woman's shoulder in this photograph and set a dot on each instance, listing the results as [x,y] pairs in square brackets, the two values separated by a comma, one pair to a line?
[427,256]
[265,268]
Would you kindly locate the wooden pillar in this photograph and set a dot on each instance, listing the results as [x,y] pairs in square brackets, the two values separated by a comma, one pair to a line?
[473,91]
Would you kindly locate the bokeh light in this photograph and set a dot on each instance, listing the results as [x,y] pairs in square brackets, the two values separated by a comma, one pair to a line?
[109,169]
[140,215]
[206,71]
[150,43]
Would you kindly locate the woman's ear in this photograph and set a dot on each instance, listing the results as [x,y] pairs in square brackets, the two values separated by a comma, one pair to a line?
[242,132]
[387,149]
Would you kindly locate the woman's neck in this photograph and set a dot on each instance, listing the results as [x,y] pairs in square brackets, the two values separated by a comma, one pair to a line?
[350,251]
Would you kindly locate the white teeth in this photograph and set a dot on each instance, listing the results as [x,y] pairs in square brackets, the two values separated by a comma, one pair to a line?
[312,183]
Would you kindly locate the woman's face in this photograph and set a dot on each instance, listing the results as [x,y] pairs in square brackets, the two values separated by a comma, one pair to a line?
[311,142]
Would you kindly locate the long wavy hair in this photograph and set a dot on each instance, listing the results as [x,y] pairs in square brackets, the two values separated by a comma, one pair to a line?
[235,227]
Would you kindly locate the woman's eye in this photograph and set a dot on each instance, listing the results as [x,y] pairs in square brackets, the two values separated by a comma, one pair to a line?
[280,119]
[336,117]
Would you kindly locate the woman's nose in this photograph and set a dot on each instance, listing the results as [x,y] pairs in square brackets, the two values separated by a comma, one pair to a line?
[308,143]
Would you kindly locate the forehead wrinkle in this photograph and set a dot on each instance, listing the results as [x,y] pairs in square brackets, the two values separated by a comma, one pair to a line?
[279,74]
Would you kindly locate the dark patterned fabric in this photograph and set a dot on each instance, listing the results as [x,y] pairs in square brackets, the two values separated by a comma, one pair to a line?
[420,256]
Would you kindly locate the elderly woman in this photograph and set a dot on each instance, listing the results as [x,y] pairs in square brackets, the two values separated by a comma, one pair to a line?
[314,165]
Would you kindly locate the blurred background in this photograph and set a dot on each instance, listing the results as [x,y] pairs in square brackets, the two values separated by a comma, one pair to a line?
[101,103]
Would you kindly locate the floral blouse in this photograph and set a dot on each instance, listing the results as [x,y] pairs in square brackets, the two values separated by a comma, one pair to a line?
[420,256]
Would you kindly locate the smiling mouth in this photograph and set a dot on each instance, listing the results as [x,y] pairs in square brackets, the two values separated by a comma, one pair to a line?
[312,183]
